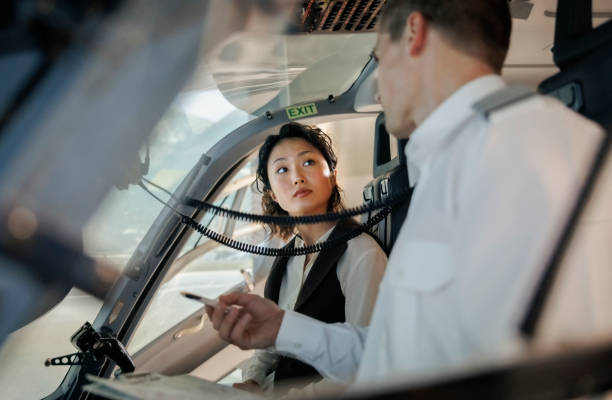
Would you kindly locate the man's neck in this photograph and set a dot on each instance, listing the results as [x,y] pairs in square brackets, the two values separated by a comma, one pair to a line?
[443,74]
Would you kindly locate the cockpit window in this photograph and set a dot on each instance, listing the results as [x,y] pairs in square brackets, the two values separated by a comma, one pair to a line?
[261,73]
[191,126]
[195,121]
[206,268]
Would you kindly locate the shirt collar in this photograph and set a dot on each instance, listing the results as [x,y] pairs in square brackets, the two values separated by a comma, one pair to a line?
[441,123]
[300,243]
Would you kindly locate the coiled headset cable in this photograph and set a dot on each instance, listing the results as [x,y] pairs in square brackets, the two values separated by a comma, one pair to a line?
[383,205]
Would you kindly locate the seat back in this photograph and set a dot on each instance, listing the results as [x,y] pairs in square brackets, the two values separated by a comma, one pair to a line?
[389,174]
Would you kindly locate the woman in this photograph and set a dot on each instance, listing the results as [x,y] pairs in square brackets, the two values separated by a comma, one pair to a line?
[297,176]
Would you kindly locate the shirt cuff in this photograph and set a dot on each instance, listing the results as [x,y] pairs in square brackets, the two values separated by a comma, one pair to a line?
[296,335]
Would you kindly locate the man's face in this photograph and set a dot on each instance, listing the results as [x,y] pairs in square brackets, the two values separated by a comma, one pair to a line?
[396,88]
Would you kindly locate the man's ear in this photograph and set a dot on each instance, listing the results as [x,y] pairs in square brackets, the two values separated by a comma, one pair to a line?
[415,33]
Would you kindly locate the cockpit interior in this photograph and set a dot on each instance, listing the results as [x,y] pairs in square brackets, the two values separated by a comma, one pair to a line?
[114,112]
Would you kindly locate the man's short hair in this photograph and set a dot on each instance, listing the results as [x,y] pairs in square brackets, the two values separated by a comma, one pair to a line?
[480,28]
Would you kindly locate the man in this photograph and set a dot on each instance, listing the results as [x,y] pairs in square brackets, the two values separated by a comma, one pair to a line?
[492,194]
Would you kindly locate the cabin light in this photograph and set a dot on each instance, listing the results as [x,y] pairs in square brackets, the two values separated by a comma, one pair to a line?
[22,223]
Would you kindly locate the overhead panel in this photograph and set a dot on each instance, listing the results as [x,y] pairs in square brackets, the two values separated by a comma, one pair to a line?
[328,16]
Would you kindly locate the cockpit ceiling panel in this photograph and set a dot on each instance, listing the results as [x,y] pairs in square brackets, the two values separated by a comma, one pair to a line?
[340,16]
[343,16]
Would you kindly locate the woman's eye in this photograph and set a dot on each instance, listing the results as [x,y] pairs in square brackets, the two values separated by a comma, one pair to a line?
[281,170]
[309,162]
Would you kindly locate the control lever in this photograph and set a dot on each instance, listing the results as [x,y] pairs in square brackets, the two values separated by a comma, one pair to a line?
[97,345]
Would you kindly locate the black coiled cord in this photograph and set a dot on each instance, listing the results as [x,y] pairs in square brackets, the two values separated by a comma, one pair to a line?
[284,251]
[395,198]
[401,195]
[282,220]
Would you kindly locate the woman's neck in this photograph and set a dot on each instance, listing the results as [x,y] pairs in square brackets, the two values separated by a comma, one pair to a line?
[310,233]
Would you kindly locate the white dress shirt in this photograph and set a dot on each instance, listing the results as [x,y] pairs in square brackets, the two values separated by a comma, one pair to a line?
[491,198]
[360,270]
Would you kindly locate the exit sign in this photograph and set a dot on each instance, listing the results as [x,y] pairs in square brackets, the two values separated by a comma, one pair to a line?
[304,110]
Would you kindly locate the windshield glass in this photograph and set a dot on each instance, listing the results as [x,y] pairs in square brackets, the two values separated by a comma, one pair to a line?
[205,267]
[261,73]
[193,123]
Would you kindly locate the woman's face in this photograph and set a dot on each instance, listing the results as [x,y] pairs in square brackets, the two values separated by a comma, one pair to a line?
[300,178]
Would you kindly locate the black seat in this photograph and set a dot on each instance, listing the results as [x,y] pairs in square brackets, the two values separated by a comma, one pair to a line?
[584,57]
[389,175]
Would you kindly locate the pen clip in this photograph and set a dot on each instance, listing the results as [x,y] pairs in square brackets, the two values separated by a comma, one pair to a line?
[248,280]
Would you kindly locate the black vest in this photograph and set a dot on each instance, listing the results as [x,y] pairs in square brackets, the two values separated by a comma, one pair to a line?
[320,297]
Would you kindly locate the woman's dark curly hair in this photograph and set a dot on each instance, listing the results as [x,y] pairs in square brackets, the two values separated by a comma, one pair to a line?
[320,141]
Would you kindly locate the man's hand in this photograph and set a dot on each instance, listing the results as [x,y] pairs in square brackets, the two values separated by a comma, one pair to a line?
[246,320]
[249,386]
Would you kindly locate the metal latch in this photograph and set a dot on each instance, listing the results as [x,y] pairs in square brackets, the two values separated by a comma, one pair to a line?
[96,345]
[384,187]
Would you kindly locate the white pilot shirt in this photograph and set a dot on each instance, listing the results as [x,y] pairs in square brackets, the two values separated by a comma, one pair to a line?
[490,200]
[360,270]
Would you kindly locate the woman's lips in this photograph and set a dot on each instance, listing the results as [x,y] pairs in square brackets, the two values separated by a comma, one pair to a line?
[302,193]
